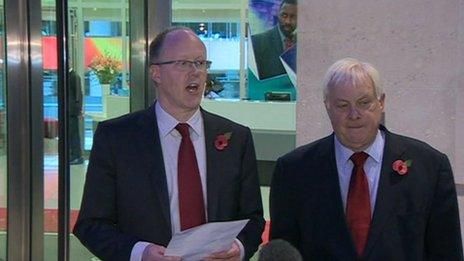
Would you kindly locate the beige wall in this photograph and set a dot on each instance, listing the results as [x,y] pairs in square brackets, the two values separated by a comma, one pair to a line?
[417,45]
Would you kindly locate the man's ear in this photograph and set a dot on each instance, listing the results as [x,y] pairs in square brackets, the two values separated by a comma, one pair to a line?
[382,102]
[155,73]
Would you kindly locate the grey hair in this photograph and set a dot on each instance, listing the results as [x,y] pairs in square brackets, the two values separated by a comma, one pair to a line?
[349,71]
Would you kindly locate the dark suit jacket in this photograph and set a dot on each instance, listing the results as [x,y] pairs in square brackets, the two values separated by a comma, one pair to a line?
[75,111]
[126,198]
[75,94]
[267,47]
[415,217]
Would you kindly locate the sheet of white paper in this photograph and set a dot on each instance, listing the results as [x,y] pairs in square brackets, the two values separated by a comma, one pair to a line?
[198,242]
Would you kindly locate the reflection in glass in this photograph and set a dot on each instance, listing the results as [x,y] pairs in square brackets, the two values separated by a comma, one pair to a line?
[50,108]
[3,144]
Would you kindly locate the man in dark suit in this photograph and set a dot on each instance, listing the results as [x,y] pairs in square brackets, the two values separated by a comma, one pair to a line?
[269,45]
[364,193]
[75,118]
[134,195]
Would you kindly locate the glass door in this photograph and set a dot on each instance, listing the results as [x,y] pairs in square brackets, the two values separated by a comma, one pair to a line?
[99,86]
[50,153]
[97,89]
[3,144]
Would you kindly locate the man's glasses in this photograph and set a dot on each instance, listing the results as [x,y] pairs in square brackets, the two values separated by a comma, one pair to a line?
[186,65]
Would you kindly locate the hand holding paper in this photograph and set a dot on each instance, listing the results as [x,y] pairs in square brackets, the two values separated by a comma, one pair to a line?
[155,252]
[232,254]
[202,241]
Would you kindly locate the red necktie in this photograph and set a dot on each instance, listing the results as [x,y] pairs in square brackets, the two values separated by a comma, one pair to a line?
[191,204]
[288,42]
[358,206]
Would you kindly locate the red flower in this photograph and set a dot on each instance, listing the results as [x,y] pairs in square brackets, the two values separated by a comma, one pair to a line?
[222,141]
[401,167]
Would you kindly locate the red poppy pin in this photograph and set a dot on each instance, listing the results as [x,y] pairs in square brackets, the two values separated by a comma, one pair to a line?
[401,167]
[222,141]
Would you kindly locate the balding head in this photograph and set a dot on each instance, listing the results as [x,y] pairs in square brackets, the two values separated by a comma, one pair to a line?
[171,35]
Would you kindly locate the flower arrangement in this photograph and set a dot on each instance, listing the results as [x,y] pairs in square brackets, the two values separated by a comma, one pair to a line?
[106,67]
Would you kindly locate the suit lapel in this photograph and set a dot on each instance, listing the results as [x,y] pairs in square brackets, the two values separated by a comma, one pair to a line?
[387,191]
[336,229]
[212,165]
[278,48]
[149,146]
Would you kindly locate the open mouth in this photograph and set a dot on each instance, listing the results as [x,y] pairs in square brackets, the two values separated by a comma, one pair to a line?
[288,28]
[193,87]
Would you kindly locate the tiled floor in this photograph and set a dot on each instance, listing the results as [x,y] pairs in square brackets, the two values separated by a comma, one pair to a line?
[51,182]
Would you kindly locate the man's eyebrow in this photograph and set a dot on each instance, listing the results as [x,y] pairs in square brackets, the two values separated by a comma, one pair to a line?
[365,96]
[341,100]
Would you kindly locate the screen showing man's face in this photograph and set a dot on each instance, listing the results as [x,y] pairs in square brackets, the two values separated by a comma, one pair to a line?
[287,19]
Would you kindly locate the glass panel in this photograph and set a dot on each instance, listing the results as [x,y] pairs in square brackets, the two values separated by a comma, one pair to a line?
[3,144]
[217,23]
[102,40]
[50,99]
[99,57]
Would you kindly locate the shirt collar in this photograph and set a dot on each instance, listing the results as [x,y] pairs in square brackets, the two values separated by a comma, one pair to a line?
[166,123]
[375,150]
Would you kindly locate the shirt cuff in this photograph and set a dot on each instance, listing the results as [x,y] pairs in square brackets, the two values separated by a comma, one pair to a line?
[242,249]
[137,251]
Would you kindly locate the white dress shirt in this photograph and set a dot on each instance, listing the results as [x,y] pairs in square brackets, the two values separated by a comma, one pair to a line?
[372,167]
[170,140]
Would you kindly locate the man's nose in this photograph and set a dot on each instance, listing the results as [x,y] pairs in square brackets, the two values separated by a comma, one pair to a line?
[193,68]
[197,67]
[354,113]
[289,20]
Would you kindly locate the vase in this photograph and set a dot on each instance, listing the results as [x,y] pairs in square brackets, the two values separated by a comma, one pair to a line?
[105,89]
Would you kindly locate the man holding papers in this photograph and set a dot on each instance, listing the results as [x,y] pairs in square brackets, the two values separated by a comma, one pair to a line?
[158,172]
